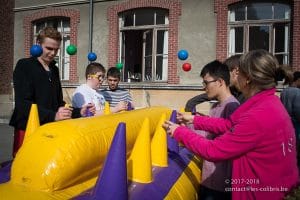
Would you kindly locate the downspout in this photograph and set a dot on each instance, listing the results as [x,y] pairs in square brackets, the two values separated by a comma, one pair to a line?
[91,12]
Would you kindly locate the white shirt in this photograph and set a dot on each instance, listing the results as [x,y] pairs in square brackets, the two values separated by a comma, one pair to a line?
[84,94]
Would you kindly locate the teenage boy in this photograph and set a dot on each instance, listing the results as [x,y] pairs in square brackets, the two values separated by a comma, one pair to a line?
[117,97]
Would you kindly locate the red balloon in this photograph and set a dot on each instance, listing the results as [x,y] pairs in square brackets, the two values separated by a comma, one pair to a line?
[186,67]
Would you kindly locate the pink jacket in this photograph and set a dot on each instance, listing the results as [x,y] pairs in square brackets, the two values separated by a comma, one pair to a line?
[260,140]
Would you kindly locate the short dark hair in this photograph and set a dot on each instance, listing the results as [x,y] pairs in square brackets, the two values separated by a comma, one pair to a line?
[233,62]
[296,75]
[217,70]
[284,72]
[114,72]
[93,68]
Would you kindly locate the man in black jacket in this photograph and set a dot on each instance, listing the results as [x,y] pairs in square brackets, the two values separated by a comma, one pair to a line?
[36,81]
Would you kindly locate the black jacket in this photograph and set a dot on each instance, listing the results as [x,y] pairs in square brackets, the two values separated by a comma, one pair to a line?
[33,84]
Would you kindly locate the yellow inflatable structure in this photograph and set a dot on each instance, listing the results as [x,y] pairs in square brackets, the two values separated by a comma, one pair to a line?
[60,160]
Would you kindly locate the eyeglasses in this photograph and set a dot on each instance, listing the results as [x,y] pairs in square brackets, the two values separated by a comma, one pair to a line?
[99,77]
[205,83]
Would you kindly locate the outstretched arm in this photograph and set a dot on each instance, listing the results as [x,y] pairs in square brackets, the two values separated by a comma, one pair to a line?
[191,103]
[231,144]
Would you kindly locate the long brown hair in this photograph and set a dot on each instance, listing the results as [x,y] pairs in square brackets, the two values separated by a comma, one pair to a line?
[260,67]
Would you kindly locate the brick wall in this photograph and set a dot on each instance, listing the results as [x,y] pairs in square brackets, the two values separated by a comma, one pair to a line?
[74,16]
[221,10]
[174,8]
[7,45]
[295,43]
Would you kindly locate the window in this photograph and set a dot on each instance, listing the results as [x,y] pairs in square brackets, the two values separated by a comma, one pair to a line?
[144,44]
[63,26]
[260,25]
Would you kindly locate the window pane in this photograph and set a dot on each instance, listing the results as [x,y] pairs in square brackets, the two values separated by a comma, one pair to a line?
[148,55]
[161,67]
[128,18]
[160,46]
[148,68]
[148,41]
[39,26]
[162,57]
[257,11]
[281,11]
[282,58]
[258,37]
[66,68]
[237,13]
[144,17]
[160,19]
[161,16]
[236,40]
[66,25]
[65,59]
[55,23]
[281,38]
[159,63]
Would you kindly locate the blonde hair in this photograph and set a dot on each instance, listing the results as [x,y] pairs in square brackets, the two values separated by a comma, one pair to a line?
[260,67]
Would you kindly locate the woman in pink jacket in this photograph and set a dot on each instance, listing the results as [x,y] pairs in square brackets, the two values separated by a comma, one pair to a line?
[258,137]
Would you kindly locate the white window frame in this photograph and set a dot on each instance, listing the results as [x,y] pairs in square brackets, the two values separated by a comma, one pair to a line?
[264,22]
[154,28]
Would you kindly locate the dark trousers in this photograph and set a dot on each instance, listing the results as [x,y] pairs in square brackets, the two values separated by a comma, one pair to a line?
[18,140]
[210,194]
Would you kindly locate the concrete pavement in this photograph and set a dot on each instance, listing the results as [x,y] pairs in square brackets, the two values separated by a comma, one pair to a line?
[6,141]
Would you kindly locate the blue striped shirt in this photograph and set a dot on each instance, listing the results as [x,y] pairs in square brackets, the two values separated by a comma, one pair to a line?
[115,96]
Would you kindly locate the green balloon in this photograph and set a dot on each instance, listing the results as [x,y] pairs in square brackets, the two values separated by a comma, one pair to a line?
[71,49]
[119,66]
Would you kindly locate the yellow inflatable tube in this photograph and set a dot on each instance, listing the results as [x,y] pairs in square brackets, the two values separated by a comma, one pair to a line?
[63,154]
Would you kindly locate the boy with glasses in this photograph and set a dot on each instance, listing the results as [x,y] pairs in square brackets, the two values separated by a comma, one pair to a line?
[233,63]
[88,93]
[216,80]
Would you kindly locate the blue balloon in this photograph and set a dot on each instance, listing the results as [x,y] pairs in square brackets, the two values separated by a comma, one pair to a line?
[36,50]
[183,54]
[92,56]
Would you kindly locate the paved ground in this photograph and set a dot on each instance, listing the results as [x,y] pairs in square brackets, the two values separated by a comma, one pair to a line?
[6,142]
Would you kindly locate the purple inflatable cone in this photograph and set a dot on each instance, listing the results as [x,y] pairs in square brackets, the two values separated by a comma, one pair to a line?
[172,143]
[129,106]
[173,117]
[112,182]
[5,169]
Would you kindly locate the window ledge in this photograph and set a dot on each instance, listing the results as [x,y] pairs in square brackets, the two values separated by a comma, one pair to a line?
[150,86]
[156,86]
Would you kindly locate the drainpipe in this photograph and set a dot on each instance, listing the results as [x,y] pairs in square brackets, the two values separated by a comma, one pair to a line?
[91,26]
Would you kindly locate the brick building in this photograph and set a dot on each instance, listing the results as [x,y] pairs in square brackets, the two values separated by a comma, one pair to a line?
[6,55]
[145,37]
